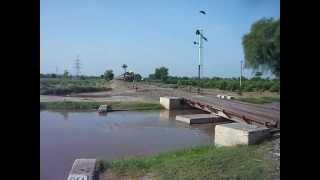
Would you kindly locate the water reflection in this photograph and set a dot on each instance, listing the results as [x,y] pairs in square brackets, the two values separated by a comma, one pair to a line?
[65,114]
[65,136]
[171,115]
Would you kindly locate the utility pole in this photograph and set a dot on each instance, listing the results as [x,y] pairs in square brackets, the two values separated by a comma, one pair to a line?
[199,33]
[124,66]
[200,54]
[240,75]
[77,66]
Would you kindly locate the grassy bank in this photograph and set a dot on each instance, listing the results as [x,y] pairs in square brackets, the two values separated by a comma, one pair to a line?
[64,86]
[95,105]
[260,100]
[204,162]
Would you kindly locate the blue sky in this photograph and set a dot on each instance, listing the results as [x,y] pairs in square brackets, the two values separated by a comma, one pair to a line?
[146,34]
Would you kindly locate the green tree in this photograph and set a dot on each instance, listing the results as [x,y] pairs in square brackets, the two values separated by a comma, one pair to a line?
[257,76]
[152,76]
[137,77]
[82,77]
[161,73]
[108,75]
[262,46]
[65,74]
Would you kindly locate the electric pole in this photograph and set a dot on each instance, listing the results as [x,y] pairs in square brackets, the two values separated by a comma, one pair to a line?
[200,54]
[240,75]
[199,33]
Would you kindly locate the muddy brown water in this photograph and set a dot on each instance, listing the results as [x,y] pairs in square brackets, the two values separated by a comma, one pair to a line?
[68,135]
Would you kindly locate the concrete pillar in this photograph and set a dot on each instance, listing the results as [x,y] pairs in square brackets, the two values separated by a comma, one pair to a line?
[238,133]
[171,103]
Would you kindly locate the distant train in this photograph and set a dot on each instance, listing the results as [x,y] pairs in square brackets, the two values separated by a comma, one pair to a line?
[128,76]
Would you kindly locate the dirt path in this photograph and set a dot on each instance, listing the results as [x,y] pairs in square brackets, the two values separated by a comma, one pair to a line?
[125,91]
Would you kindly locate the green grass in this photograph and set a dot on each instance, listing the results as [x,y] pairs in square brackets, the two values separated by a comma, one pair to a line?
[260,100]
[95,105]
[203,162]
[63,86]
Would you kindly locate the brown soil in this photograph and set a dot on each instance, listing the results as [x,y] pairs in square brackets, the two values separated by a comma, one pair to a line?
[125,91]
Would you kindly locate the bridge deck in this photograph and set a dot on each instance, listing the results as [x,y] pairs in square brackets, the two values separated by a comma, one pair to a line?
[238,111]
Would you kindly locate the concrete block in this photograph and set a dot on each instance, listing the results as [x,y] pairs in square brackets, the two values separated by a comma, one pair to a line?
[83,169]
[200,118]
[167,115]
[103,108]
[238,133]
[230,97]
[171,103]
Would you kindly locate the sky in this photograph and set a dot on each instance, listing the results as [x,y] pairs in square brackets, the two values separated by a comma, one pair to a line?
[147,34]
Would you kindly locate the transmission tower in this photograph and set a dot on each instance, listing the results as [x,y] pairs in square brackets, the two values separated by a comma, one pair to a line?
[77,66]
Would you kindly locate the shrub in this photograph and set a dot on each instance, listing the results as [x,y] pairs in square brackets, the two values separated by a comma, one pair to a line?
[275,87]
[249,88]
[108,75]
[223,85]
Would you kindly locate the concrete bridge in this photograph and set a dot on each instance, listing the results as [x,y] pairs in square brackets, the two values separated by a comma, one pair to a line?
[233,110]
[237,111]
[235,122]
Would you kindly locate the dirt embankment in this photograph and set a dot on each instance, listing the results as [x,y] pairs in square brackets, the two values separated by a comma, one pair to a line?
[126,91]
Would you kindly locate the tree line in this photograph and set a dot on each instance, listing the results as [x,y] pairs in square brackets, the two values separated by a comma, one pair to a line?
[107,75]
[257,83]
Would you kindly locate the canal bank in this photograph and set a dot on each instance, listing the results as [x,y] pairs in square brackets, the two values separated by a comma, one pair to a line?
[202,162]
[89,105]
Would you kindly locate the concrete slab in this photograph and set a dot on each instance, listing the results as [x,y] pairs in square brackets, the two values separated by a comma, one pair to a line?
[238,133]
[201,119]
[83,169]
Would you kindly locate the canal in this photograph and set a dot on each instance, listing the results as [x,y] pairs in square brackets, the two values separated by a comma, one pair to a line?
[68,135]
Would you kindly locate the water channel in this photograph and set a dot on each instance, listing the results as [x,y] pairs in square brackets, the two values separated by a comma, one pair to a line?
[68,135]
